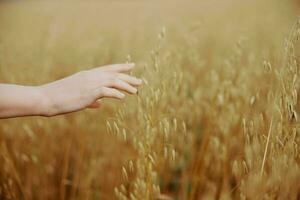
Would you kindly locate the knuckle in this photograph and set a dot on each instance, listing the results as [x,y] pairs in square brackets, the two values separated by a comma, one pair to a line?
[102,91]
[115,91]
[115,81]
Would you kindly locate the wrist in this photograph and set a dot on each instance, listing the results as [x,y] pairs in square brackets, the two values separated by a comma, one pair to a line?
[45,106]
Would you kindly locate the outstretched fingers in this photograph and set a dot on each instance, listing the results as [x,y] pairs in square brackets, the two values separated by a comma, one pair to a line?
[130,79]
[115,81]
[106,92]
[122,85]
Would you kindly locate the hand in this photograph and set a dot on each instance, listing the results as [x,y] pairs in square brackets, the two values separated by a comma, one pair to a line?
[86,89]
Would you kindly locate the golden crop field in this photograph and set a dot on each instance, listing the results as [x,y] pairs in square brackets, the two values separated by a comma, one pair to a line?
[216,117]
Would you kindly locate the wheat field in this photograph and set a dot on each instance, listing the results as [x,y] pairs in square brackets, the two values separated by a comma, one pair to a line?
[216,117]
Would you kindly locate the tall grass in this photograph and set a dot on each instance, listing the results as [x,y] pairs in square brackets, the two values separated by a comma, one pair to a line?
[216,118]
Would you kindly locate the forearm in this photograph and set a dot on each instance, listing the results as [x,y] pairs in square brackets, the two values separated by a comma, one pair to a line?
[16,101]
[76,92]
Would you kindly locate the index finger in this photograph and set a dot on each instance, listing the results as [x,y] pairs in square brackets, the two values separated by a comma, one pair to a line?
[126,67]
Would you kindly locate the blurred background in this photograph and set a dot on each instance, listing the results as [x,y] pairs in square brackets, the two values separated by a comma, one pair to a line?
[198,129]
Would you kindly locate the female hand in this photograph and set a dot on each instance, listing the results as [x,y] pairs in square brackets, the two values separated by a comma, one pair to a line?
[86,89]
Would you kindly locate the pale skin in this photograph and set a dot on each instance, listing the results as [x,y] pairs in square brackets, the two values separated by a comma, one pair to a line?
[82,90]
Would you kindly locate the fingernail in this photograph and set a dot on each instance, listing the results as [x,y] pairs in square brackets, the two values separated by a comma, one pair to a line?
[122,95]
[135,91]
[140,81]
